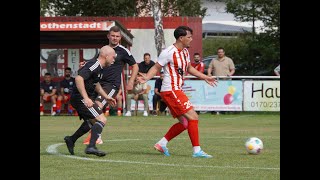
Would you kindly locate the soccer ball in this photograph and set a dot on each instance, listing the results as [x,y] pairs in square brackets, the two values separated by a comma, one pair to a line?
[254,145]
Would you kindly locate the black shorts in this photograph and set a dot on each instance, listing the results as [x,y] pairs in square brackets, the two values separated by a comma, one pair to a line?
[111,90]
[84,112]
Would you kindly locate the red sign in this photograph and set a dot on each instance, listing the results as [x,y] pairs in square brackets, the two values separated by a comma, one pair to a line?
[76,26]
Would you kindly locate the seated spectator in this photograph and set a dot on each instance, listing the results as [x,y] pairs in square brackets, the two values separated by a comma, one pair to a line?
[66,86]
[157,97]
[146,64]
[139,92]
[277,70]
[48,90]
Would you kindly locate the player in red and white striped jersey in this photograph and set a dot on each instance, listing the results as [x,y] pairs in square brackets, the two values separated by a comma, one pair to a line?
[175,62]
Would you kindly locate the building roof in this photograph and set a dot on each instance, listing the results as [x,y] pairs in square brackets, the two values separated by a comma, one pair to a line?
[223,28]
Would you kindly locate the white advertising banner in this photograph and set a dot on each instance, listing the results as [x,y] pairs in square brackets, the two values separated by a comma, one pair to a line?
[261,95]
[227,96]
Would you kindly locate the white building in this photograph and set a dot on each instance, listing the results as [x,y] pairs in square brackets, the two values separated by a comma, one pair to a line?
[217,14]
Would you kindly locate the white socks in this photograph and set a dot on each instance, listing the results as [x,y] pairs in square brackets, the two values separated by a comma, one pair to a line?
[196,149]
[163,141]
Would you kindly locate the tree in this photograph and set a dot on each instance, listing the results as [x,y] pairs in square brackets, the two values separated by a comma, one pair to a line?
[262,50]
[45,8]
[94,8]
[267,11]
[158,24]
[122,7]
[160,8]
[43,5]
[191,8]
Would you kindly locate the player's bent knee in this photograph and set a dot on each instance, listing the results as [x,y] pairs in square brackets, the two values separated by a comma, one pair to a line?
[194,116]
[185,123]
[99,104]
[101,118]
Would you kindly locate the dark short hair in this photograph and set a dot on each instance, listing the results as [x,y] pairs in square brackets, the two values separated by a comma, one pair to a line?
[47,74]
[146,54]
[67,68]
[114,29]
[181,31]
[220,48]
[196,54]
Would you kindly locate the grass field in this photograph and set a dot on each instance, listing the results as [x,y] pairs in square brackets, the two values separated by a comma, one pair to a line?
[129,142]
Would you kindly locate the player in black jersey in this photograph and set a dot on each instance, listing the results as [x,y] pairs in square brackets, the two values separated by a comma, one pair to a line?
[82,99]
[111,79]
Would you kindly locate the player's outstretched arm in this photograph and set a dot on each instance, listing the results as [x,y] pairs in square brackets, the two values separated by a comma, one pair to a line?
[135,70]
[151,73]
[209,79]
[195,72]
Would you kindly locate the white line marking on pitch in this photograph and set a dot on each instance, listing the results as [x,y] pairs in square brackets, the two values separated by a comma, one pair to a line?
[238,117]
[52,149]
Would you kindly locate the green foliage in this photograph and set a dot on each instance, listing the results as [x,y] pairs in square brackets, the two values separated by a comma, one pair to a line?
[120,7]
[43,7]
[267,11]
[252,56]
[190,8]
[232,46]
[94,8]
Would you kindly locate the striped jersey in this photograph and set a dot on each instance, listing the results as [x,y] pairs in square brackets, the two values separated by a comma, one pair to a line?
[92,73]
[174,63]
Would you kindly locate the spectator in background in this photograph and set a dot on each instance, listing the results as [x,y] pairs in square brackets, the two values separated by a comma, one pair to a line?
[277,70]
[66,86]
[222,66]
[197,64]
[157,97]
[48,90]
[139,92]
[146,64]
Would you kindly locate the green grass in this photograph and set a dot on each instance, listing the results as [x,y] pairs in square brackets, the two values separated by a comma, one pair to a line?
[129,142]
